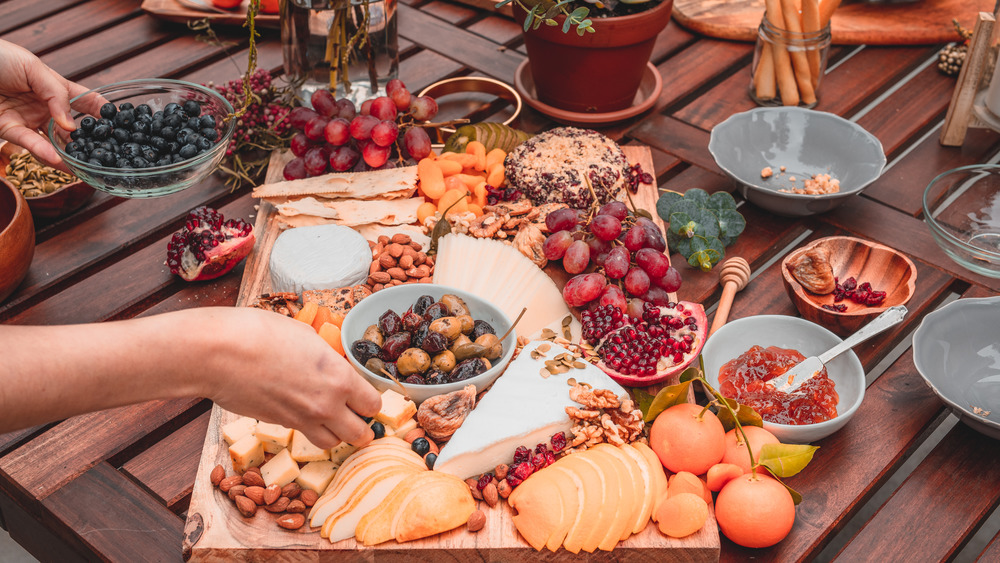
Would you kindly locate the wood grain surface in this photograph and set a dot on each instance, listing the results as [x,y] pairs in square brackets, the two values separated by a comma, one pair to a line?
[174,11]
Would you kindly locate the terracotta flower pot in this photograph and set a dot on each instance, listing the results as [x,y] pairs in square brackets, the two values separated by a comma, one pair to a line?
[599,72]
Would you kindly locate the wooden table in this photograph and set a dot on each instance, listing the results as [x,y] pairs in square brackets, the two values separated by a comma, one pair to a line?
[115,485]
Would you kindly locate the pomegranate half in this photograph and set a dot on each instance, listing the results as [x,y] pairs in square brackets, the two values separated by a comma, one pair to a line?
[642,352]
[208,245]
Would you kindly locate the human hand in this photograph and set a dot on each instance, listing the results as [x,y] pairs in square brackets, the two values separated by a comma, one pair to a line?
[30,93]
[278,370]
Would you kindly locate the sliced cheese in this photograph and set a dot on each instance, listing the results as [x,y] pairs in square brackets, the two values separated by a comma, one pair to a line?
[247,452]
[316,475]
[281,470]
[275,437]
[237,429]
[521,409]
[320,257]
[403,429]
[303,450]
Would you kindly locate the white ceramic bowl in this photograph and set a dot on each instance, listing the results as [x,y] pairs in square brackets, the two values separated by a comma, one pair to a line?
[810,339]
[400,299]
[956,349]
[805,142]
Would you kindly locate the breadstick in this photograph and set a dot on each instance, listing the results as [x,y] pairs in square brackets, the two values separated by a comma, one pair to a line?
[826,10]
[763,78]
[799,60]
[782,63]
[810,24]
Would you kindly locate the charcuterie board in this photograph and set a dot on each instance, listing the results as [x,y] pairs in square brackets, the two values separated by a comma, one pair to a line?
[216,531]
[184,11]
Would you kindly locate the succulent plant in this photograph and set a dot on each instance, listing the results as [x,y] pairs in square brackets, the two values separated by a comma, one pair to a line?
[701,225]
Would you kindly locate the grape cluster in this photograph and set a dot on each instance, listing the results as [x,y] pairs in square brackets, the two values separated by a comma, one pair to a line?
[265,117]
[626,249]
[337,136]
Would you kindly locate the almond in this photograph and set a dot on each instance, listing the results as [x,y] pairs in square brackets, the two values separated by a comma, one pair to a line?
[379,277]
[253,479]
[428,279]
[377,249]
[418,272]
[371,244]
[504,489]
[414,434]
[490,495]
[296,506]
[382,239]
[255,494]
[416,246]
[395,283]
[246,506]
[309,497]
[405,262]
[230,482]
[397,274]
[434,447]
[272,493]
[395,250]
[419,259]
[501,471]
[254,469]
[236,491]
[474,487]
[375,267]
[377,287]
[401,238]
[291,521]
[429,262]
[291,490]
[407,251]
[477,521]
[278,506]
[217,475]
[386,261]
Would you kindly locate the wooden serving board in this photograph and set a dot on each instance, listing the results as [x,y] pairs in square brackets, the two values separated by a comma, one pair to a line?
[922,22]
[215,531]
[175,11]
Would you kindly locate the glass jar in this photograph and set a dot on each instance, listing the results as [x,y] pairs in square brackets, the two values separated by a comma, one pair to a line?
[788,66]
[348,46]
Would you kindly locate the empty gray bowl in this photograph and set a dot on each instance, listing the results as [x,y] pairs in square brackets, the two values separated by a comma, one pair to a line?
[956,349]
[805,142]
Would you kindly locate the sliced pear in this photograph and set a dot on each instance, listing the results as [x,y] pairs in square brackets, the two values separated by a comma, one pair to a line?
[435,506]
[589,529]
[346,471]
[571,494]
[646,508]
[623,503]
[633,481]
[376,526]
[341,524]
[658,477]
[336,497]
[539,507]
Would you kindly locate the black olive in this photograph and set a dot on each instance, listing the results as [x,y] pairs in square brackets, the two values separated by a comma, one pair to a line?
[364,350]
[379,429]
[468,368]
[421,446]
[480,328]
[423,302]
[430,459]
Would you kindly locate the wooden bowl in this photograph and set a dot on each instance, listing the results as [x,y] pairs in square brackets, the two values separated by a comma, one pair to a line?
[57,204]
[17,238]
[884,268]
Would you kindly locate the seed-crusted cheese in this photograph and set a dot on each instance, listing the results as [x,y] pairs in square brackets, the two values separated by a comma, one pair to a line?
[554,167]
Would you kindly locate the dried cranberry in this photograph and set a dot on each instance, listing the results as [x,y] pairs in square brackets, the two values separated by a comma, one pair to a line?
[538,461]
[550,458]
[522,471]
[838,308]
[558,442]
[513,481]
[484,480]
[850,284]
[541,448]
[522,454]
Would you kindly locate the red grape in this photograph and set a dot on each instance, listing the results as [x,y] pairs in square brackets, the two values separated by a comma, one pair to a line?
[670,281]
[635,239]
[346,109]
[606,227]
[555,246]
[617,263]
[423,108]
[322,101]
[616,209]
[383,108]
[600,258]
[385,133]
[655,263]
[344,158]
[362,125]
[337,131]
[564,219]
[300,144]
[654,237]
[314,128]
[577,257]
[613,295]
[636,282]
[635,307]
[393,85]
[417,143]
[598,246]
[583,289]
[375,155]
[402,98]
[295,170]
[316,160]
[299,116]
[657,296]
[366,107]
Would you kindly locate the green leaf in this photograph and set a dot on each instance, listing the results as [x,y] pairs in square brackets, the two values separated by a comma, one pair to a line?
[720,201]
[690,373]
[731,224]
[666,203]
[796,496]
[744,414]
[708,223]
[682,224]
[566,25]
[642,400]
[666,398]
[502,4]
[786,460]
[579,14]
[683,246]
[685,206]
[697,196]
[673,240]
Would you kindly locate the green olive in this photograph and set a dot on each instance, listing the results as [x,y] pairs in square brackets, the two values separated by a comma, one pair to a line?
[444,361]
[375,366]
[471,350]
[413,361]
[460,341]
[467,324]
[373,334]
[455,304]
[493,348]
[450,327]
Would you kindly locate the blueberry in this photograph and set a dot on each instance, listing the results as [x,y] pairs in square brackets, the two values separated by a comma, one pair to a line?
[107,122]
[123,163]
[173,120]
[140,126]
[76,134]
[121,135]
[108,110]
[94,162]
[176,158]
[207,122]
[108,159]
[79,155]
[192,139]
[173,147]
[188,151]
[165,161]
[210,133]
[379,429]
[192,108]
[170,108]
[89,147]
[124,118]
[158,143]
[204,144]
[131,150]
[430,459]
[88,123]
[143,109]
[102,132]
[107,146]
[150,155]
[193,123]
[182,135]
[421,446]
[155,126]
[138,137]
[168,133]
[139,162]
[72,147]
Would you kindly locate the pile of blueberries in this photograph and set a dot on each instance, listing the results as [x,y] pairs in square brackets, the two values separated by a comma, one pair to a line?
[132,137]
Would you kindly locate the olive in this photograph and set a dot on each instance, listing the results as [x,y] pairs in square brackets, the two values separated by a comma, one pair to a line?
[373,334]
[492,344]
[413,361]
[480,328]
[421,446]
[467,323]
[430,459]
[411,321]
[468,368]
[435,377]
[376,366]
[462,340]
[424,301]
[394,346]
[435,311]
[379,429]
[389,323]
[414,380]
[391,368]
[420,333]
[364,350]
[470,350]
[456,306]
[434,342]
[445,361]
[451,327]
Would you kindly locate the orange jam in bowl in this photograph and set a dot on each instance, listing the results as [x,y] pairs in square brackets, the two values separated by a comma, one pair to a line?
[747,378]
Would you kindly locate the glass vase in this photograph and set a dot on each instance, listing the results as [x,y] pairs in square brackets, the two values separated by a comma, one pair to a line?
[788,66]
[347,46]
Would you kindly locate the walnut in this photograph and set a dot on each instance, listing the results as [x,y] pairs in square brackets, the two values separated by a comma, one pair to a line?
[485,226]
[286,303]
[529,241]
[514,223]
[440,416]
[594,399]
[580,414]
[519,207]
[813,270]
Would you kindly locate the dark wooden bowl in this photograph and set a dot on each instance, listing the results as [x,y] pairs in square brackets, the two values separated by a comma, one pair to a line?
[17,238]
[57,204]
[884,268]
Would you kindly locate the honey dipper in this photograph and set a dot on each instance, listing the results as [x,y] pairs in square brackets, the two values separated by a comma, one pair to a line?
[734,275]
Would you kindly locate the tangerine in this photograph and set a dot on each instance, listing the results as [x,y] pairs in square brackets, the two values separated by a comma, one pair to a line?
[720,474]
[755,510]
[681,515]
[686,440]
[736,448]
[684,482]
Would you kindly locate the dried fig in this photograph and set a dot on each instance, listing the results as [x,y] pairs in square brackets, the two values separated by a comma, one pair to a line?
[440,416]
[812,269]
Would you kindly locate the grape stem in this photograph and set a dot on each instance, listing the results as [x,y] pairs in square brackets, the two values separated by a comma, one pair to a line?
[428,124]
[721,402]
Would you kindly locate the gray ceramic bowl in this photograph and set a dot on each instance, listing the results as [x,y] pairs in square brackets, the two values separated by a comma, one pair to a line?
[805,142]
[736,337]
[957,352]
[401,298]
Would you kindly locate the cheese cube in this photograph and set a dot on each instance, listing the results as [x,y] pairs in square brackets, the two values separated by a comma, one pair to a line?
[316,475]
[238,428]
[247,452]
[275,437]
[403,430]
[303,450]
[395,409]
[339,453]
[281,470]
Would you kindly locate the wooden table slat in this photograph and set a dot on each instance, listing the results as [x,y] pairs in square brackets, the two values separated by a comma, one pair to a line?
[71,24]
[168,468]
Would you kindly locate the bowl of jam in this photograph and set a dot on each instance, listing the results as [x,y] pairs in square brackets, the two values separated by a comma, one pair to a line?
[745,359]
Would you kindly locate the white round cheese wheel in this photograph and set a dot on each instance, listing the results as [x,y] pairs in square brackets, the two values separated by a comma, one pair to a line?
[319,257]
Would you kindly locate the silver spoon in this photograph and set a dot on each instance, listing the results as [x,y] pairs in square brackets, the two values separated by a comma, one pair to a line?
[808,368]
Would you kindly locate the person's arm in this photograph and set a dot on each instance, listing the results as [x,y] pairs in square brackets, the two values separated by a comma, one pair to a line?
[252,362]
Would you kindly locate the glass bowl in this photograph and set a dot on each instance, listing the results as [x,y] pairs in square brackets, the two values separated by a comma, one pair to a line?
[158,180]
[962,209]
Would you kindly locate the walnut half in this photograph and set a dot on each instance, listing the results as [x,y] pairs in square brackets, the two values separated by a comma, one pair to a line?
[812,269]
